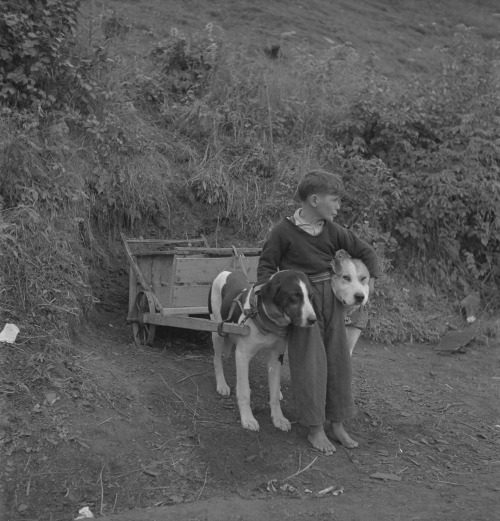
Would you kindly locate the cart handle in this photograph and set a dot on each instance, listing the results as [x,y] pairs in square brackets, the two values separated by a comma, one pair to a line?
[138,272]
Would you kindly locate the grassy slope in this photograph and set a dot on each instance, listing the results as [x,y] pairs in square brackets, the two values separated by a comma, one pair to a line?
[403,34]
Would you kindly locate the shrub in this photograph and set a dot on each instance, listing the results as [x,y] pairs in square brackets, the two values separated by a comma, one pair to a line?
[440,188]
[36,72]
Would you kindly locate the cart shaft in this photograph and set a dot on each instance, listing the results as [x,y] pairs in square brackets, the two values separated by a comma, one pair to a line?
[198,324]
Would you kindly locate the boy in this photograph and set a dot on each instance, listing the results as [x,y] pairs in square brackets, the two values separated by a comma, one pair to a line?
[320,362]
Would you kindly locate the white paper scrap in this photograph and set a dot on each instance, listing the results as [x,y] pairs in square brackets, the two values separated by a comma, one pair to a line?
[9,333]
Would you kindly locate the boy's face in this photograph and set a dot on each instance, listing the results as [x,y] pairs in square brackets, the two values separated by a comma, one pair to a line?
[326,205]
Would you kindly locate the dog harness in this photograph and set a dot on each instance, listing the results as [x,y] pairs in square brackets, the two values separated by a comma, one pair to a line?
[358,318]
[256,312]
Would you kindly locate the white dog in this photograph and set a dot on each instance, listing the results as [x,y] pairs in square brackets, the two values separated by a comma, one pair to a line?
[351,285]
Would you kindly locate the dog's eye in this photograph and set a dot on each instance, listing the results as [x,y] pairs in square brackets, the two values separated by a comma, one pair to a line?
[346,277]
[363,279]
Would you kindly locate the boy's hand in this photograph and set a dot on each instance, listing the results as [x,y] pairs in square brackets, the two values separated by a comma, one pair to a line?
[371,286]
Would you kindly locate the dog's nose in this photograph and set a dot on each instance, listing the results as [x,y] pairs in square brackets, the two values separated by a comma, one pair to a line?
[311,321]
[359,297]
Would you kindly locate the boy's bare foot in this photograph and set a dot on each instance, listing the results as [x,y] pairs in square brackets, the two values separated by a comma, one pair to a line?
[319,440]
[336,431]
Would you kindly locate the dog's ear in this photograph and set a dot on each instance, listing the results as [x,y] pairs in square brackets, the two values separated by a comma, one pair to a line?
[270,289]
[342,254]
[337,261]
[336,266]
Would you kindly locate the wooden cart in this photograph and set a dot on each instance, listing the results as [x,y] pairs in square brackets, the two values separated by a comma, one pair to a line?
[169,283]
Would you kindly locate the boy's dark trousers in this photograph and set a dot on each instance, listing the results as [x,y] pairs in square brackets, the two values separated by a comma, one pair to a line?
[320,363]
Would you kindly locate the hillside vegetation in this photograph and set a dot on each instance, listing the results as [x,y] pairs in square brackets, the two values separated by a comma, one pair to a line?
[108,125]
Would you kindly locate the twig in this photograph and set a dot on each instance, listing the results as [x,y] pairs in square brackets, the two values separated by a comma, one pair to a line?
[114,504]
[444,409]
[203,487]
[29,459]
[188,407]
[136,478]
[135,470]
[113,405]
[300,471]
[127,473]
[190,375]
[102,487]
[468,425]
[165,443]
[105,421]
[450,483]
[350,457]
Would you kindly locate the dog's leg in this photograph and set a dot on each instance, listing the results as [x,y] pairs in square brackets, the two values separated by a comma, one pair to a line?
[352,337]
[274,374]
[243,356]
[220,348]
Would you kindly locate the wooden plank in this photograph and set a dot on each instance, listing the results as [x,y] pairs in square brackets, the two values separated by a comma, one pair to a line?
[200,310]
[165,241]
[198,324]
[144,265]
[219,251]
[214,252]
[132,288]
[203,270]
[166,289]
[157,266]
[190,296]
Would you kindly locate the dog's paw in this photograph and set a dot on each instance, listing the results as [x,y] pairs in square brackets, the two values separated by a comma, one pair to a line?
[224,390]
[250,424]
[282,423]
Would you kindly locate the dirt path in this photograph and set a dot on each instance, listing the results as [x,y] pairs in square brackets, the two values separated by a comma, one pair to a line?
[141,427]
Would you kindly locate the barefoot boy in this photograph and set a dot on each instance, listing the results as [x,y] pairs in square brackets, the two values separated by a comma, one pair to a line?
[320,362]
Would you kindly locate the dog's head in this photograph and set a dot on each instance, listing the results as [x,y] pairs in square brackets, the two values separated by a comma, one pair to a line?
[350,281]
[288,295]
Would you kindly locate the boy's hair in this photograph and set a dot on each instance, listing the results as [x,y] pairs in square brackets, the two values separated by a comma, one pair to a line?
[320,182]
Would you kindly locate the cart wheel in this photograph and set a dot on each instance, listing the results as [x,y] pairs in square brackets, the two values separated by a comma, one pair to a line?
[144,333]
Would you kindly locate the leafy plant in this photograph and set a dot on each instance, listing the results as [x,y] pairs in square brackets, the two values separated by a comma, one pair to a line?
[37,71]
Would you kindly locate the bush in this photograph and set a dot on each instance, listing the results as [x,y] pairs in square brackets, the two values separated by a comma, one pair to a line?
[36,72]
[439,192]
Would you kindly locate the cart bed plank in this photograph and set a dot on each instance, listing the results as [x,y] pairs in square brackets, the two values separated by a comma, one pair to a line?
[202,270]
[194,310]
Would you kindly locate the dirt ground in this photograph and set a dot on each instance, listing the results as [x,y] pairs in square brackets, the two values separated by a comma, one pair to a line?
[133,427]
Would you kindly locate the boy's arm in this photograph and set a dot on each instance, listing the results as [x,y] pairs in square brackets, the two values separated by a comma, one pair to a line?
[358,249]
[270,256]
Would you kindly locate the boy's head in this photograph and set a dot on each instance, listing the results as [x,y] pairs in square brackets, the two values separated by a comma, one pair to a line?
[320,182]
[320,193]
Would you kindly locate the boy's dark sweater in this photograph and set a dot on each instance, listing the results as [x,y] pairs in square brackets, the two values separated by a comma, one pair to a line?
[290,247]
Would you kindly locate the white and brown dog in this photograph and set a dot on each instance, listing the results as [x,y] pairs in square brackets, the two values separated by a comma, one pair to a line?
[351,285]
[285,299]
